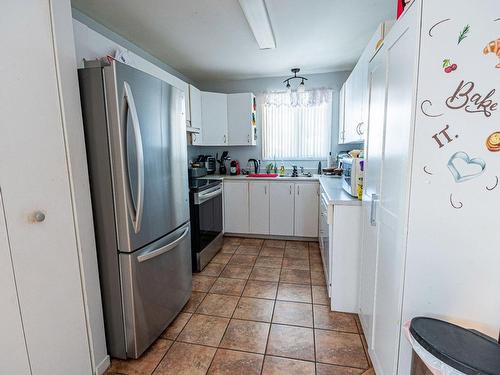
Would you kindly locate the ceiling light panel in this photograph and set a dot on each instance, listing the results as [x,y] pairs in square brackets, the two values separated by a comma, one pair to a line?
[258,18]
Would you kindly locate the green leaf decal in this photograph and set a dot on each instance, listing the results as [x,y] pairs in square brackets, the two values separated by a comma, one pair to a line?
[463,34]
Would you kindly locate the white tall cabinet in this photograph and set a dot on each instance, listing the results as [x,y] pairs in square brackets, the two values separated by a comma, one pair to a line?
[427,218]
[53,310]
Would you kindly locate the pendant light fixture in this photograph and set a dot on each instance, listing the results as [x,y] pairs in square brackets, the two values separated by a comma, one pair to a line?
[301,87]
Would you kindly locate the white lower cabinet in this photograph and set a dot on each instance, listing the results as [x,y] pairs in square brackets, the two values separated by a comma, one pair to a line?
[278,208]
[281,215]
[306,209]
[259,207]
[236,207]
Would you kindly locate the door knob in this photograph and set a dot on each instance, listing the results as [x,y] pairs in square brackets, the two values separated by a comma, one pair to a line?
[39,216]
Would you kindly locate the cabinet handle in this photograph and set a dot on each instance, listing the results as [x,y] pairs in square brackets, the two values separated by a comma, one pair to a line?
[290,189]
[265,189]
[373,210]
[298,189]
[225,138]
[248,138]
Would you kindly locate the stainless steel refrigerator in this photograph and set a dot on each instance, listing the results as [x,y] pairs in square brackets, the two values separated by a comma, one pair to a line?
[136,148]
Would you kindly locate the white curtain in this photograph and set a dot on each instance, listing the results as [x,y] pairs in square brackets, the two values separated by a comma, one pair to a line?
[297,126]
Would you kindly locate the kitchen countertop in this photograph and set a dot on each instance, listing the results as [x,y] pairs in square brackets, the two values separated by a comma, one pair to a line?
[335,193]
[331,185]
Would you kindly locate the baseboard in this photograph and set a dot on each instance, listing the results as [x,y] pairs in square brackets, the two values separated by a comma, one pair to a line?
[101,368]
[271,237]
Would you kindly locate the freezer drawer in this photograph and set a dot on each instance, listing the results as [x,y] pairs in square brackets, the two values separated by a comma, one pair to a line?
[156,284]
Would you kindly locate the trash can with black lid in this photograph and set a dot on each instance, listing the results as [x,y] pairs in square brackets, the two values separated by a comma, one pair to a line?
[451,350]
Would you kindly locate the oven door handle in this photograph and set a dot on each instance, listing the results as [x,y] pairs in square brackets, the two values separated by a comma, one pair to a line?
[205,197]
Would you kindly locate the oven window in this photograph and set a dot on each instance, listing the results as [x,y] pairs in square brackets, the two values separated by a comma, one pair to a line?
[210,220]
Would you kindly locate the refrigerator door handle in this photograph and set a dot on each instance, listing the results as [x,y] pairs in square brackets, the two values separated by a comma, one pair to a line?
[162,250]
[373,210]
[135,210]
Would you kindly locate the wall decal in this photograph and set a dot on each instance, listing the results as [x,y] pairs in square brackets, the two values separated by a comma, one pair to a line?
[436,24]
[457,205]
[448,66]
[493,142]
[463,34]
[428,103]
[494,186]
[493,47]
[445,136]
[457,170]
[463,97]
[426,171]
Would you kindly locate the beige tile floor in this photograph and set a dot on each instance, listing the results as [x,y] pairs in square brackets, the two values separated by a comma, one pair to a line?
[260,307]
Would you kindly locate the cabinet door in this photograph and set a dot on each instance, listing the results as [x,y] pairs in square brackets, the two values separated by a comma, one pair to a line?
[13,354]
[239,119]
[259,207]
[195,106]
[341,114]
[371,190]
[401,49]
[214,118]
[45,256]
[306,209]
[195,113]
[236,207]
[282,208]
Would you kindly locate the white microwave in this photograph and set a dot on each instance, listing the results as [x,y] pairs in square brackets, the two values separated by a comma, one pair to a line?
[352,171]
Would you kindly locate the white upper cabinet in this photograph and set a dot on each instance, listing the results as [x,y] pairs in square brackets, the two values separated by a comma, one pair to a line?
[259,207]
[354,96]
[341,114]
[306,210]
[354,122]
[223,119]
[241,117]
[282,208]
[195,115]
[214,119]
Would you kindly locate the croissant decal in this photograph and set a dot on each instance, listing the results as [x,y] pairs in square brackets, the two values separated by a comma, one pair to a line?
[493,47]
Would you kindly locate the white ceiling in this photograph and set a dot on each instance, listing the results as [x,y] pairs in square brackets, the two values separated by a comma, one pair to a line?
[211,39]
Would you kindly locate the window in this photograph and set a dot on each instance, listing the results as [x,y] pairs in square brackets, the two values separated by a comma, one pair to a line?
[297,126]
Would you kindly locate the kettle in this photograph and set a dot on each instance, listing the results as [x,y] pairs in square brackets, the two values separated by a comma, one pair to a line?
[255,165]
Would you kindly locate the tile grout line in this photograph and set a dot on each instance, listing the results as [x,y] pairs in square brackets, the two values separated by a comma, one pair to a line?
[237,303]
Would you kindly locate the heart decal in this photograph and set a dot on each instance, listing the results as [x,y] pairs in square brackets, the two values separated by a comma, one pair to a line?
[473,167]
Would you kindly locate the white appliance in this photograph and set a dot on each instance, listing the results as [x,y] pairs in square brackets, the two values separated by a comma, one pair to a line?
[431,188]
[352,172]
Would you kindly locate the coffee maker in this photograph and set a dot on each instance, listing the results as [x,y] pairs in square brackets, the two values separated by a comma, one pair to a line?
[222,162]
[234,168]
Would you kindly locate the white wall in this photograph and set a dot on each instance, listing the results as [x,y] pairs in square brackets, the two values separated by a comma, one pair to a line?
[90,44]
[333,80]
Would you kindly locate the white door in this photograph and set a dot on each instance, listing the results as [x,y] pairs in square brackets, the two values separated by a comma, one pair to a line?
[236,207]
[259,207]
[402,47]
[239,119]
[35,178]
[371,189]
[282,208]
[195,110]
[342,114]
[13,354]
[214,118]
[306,209]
